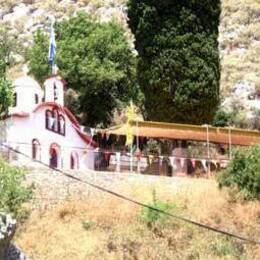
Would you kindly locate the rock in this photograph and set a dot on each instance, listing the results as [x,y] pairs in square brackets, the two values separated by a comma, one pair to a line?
[21,10]
[14,253]
[7,231]
[8,251]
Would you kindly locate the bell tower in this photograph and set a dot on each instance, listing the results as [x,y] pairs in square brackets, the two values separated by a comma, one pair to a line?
[54,90]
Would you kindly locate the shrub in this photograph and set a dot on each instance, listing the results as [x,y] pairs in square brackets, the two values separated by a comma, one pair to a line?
[243,173]
[12,191]
[150,216]
[88,224]
[223,118]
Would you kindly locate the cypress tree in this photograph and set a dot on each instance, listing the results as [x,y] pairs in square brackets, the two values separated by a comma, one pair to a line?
[178,66]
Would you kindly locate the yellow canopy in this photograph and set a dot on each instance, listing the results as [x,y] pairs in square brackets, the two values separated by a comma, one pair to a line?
[162,130]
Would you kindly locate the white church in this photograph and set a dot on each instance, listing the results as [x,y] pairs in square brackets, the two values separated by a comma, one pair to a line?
[40,126]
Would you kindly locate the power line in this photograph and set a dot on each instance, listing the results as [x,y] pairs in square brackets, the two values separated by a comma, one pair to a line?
[204,226]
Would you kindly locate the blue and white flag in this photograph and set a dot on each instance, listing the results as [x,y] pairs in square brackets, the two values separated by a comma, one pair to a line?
[52,47]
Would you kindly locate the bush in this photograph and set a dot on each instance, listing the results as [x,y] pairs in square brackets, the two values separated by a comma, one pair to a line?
[12,192]
[151,216]
[88,224]
[243,173]
[223,118]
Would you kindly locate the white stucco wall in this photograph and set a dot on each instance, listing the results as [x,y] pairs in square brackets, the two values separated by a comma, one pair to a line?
[23,130]
[49,90]
[25,89]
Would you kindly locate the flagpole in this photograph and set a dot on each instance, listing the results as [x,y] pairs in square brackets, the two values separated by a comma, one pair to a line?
[52,46]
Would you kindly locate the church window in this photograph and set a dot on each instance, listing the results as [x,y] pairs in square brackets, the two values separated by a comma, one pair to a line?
[62,125]
[48,119]
[55,122]
[36,149]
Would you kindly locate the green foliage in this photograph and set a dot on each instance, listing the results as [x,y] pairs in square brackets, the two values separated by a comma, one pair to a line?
[243,173]
[152,147]
[9,45]
[88,224]
[225,247]
[150,216]
[96,61]
[6,95]
[178,68]
[223,118]
[12,192]
[38,57]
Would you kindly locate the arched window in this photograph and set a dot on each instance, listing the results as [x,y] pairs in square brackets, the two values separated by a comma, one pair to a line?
[61,125]
[15,99]
[48,119]
[55,127]
[36,149]
[36,97]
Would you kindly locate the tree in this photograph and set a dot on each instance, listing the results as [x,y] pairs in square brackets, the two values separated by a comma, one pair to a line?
[178,67]
[38,57]
[8,45]
[97,62]
[13,192]
[6,95]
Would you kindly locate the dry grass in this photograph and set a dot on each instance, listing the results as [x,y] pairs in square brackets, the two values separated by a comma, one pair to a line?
[119,233]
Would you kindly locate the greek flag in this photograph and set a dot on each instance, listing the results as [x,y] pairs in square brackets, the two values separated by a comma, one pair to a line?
[52,47]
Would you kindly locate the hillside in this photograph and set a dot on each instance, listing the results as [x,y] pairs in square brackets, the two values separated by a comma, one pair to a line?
[239,34]
[240,43]
[107,227]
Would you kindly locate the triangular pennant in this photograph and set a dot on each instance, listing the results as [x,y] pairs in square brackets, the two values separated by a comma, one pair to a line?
[160,160]
[172,160]
[118,156]
[193,162]
[182,162]
[92,131]
[204,164]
